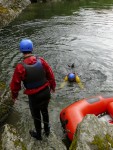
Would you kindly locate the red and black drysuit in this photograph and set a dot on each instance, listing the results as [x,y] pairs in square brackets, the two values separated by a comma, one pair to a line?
[38,80]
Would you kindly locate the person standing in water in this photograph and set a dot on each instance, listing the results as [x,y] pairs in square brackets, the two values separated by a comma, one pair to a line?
[38,79]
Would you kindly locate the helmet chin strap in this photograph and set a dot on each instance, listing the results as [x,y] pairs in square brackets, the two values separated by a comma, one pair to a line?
[27,55]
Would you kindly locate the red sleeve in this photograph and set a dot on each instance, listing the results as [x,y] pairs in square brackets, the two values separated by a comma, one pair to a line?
[49,74]
[18,76]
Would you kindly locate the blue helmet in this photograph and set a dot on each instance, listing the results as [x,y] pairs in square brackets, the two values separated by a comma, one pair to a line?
[71,77]
[26,45]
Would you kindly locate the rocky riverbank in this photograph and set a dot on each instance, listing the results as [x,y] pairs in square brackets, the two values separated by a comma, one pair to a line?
[11,140]
[93,134]
[10,9]
[6,102]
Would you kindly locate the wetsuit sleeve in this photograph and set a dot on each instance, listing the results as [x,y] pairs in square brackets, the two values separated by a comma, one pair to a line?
[15,84]
[49,74]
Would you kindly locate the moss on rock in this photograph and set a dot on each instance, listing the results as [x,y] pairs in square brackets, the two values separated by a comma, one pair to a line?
[102,143]
[3,10]
[74,143]
[20,144]
[6,102]
[11,139]
[9,10]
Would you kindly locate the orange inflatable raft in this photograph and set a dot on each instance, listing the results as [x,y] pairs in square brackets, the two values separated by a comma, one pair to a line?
[72,115]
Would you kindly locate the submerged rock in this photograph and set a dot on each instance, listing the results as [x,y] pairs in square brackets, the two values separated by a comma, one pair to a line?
[93,134]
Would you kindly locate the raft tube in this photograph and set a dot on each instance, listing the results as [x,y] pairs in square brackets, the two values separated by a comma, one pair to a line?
[72,115]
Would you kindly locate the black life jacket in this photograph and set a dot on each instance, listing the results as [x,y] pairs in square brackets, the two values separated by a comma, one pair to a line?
[35,75]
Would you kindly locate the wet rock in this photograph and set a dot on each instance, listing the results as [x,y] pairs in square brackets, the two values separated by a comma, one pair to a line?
[11,140]
[9,10]
[50,143]
[93,134]
[6,102]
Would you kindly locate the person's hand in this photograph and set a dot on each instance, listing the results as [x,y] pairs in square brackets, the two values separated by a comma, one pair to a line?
[13,96]
[52,90]
[14,100]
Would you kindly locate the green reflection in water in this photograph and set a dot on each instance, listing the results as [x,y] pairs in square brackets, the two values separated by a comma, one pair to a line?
[66,7]
[47,10]
[97,4]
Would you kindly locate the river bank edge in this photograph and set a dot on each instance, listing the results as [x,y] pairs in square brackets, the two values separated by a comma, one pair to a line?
[9,10]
